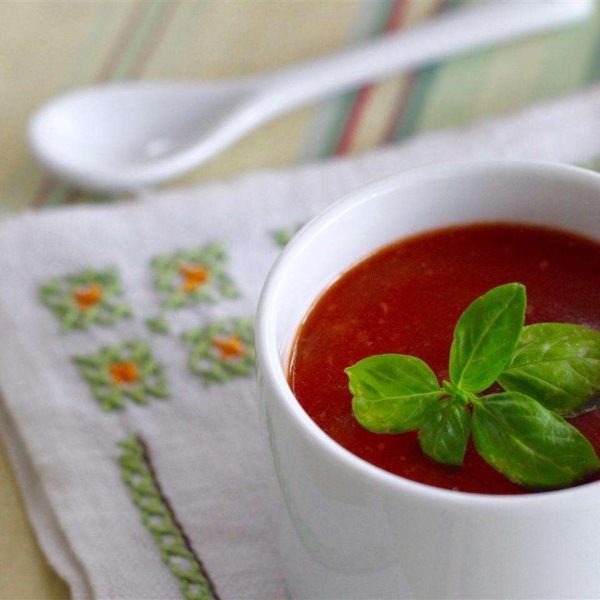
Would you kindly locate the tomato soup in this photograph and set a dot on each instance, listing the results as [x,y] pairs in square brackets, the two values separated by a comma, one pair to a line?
[406,299]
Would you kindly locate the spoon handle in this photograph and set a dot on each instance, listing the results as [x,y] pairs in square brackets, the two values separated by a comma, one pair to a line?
[450,34]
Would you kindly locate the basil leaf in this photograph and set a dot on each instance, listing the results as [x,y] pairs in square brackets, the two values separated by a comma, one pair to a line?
[558,365]
[392,392]
[485,337]
[446,431]
[531,445]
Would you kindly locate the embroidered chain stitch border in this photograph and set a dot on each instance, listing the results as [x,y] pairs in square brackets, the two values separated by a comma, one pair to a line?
[158,517]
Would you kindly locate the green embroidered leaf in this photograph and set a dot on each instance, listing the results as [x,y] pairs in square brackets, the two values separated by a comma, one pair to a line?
[558,365]
[529,444]
[86,361]
[446,431]
[108,402]
[485,337]
[137,394]
[392,392]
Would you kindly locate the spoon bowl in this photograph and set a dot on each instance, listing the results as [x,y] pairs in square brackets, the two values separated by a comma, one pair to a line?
[117,136]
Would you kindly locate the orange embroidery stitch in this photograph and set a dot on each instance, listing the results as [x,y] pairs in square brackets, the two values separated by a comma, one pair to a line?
[193,276]
[87,296]
[125,372]
[229,347]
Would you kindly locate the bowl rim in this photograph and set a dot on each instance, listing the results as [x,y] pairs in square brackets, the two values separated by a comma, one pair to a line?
[271,369]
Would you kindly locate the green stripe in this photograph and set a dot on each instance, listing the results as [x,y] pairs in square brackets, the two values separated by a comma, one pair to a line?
[143,34]
[408,123]
[185,31]
[593,73]
[81,70]
[425,78]
[329,123]
[347,102]
[343,106]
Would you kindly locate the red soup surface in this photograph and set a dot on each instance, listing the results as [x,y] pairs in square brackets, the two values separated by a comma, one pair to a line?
[406,299]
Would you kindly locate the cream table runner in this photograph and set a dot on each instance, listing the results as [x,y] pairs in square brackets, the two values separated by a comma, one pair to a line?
[126,362]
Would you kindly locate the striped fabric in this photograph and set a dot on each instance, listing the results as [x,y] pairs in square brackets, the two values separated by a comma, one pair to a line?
[54,47]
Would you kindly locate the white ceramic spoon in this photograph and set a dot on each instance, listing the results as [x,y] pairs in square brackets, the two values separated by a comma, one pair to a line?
[128,136]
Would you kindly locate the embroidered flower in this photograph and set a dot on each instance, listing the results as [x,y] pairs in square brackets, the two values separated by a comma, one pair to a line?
[222,350]
[124,371]
[186,278]
[91,297]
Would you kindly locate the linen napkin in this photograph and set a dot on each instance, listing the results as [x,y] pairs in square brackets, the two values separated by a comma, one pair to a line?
[129,406]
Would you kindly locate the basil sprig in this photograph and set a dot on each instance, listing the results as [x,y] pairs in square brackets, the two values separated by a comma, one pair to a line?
[547,370]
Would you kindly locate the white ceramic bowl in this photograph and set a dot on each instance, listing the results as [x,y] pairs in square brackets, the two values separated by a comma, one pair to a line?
[351,530]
